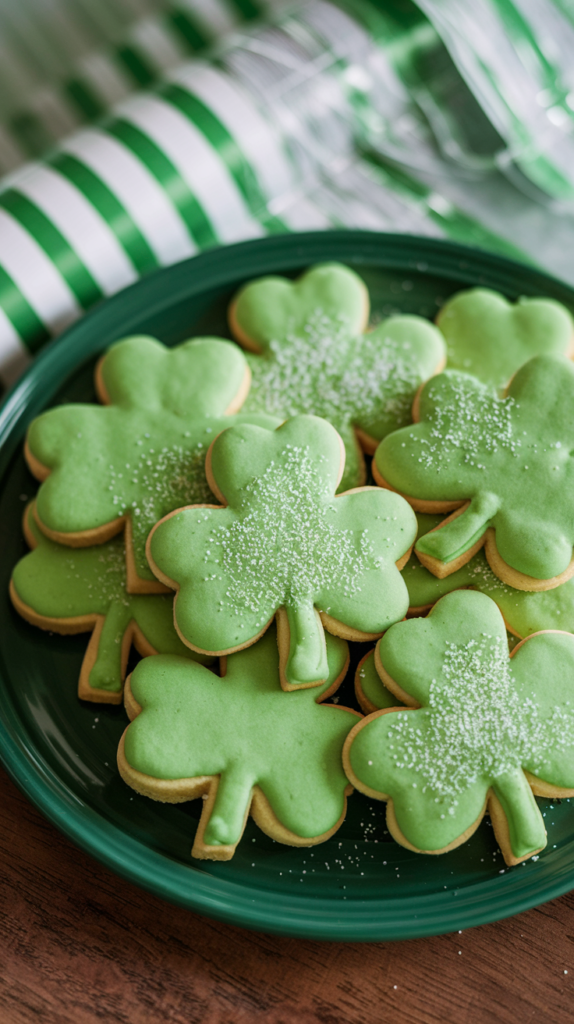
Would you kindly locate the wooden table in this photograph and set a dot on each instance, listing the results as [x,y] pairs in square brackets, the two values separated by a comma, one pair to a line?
[80,946]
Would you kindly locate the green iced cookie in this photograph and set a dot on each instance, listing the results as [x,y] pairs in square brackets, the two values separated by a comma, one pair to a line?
[483,728]
[506,462]
[490,337]
[313,357]
[242,742]
[524,613]
[142,454]
[81,590]
[284,544]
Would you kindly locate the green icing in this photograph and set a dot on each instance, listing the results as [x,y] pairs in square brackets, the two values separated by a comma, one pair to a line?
[142,455]
[314,359]
[483,719]
[372,687]
[284,541]
[66,583]
[491,338]
[369,685]
[246,730]
[524,612]
[511,457]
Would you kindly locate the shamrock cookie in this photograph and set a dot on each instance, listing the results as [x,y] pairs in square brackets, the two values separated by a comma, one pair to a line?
[285,546]
[505,466]
[126,465]
[523,612]
[492,338]
[312,357]
[241,742]
[483,729]
[80,590]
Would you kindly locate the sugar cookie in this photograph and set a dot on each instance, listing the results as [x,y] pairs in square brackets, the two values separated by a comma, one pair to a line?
[491,338]
[313,357]
[524,613]
[143,454]
[242,743]
[483,729]
[69,590]
[284,544]
[504,465]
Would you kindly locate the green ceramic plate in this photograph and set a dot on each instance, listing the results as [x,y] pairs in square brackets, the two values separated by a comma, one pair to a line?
[358,886]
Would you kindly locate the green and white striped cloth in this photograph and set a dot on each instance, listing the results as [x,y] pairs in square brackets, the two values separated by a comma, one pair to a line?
[439,117]
[66,62]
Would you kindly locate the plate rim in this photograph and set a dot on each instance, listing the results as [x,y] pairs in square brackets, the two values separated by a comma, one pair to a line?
[337,919]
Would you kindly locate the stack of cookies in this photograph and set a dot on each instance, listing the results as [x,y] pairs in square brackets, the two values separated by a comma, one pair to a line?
[214,511]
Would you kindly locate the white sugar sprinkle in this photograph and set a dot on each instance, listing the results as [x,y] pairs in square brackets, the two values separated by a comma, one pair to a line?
[156,483]
[320,368]
[109,582]
[467,420]
[476,724]
[282,547]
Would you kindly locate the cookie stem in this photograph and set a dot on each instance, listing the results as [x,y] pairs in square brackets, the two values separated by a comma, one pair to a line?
[451,540]
[106,672]
[525,825]
[232,802]
[307,661]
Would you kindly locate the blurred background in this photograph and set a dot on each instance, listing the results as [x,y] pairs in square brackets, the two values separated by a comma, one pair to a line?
[135,133]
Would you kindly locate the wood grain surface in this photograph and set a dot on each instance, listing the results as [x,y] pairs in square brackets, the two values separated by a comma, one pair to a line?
[80,946]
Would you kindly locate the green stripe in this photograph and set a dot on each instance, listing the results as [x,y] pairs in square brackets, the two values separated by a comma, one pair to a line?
[85,101]
[566,8]
[539,169]
[138,68]
[228,150]
[168,176]
[535,166]
[382,24]
[454,222]
[545,175]
[56,247]
[520,31]
[110,209]
[189,30]
[248,9]
[462,228]
[514,123]
[20,313]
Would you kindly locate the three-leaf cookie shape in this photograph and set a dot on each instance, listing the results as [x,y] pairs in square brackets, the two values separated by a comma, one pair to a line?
[313,357]
[252,748]
[284,544]
[491,338]
[524,612]
[142,454]
[505,465]
[483,729]
[68,590]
